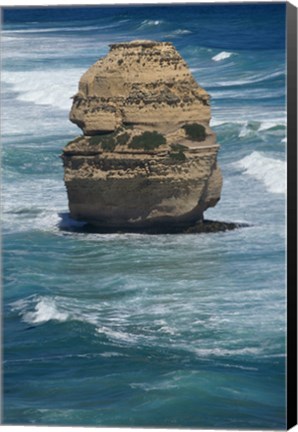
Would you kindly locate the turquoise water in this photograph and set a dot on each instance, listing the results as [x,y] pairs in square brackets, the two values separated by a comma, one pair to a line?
[140,330]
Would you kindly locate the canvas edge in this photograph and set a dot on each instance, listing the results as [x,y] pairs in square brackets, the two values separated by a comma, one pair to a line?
[291,26]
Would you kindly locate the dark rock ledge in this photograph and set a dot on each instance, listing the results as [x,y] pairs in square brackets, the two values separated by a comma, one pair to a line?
[202,227]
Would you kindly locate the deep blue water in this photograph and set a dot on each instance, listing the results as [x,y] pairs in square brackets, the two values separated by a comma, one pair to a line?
[136,330]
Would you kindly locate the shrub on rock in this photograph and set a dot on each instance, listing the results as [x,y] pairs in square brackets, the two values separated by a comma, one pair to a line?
[195,132]
[147,141]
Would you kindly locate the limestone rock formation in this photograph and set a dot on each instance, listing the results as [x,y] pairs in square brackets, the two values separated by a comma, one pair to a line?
[148,157]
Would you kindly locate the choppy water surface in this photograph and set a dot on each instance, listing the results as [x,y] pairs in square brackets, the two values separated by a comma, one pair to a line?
[136,330]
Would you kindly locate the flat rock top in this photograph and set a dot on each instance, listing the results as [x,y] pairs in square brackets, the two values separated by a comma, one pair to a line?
[144,83]
[139,43]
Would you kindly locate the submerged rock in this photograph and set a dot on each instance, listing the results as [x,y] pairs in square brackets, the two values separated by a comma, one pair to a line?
[148,158]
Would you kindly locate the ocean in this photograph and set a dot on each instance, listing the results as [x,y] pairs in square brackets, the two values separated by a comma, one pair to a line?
[145,330]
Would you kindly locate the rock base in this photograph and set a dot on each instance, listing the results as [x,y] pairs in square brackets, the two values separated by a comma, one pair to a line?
[205,226]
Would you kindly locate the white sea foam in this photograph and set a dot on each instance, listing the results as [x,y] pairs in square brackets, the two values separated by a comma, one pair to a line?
[32,220]
[244,130]
[45,87]
[222,56]
[193,70]
[266,125]
[253,126]
[235,366]
[33,205]
[181,32]
[21,304]
[168,330]
[162,385]
[256,120]
[217,122]
[150,23]
[41,309]
[223,352]
[117,335]
[45,310]
[272,172]
[111,354]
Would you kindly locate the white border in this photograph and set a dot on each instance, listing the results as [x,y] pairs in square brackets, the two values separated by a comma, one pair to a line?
[125,2]
[32,428]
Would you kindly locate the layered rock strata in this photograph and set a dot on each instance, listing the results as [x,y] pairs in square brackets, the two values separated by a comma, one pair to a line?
[147,156]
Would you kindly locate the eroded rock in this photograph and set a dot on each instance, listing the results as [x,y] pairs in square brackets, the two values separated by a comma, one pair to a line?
[148,156]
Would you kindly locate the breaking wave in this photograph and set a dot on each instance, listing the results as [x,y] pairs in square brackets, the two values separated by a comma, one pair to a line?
[272,172]
[222,56]
[41,309]
[46,87]
[45,309]
[22,212]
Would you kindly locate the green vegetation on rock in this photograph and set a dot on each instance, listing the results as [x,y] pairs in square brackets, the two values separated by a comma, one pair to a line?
[96,139]
[108,142]
[177,153]
[147,141]
[108,145]
[123,138]
[195,132]
[178,156]
[178,147]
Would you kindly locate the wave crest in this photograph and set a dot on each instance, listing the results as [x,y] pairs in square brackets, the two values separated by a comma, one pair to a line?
[272,172]
[45,310]
[48,87]
[150,23]
[222,56]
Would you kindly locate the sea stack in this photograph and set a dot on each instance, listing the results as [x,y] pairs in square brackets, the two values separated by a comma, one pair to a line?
[147,159]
